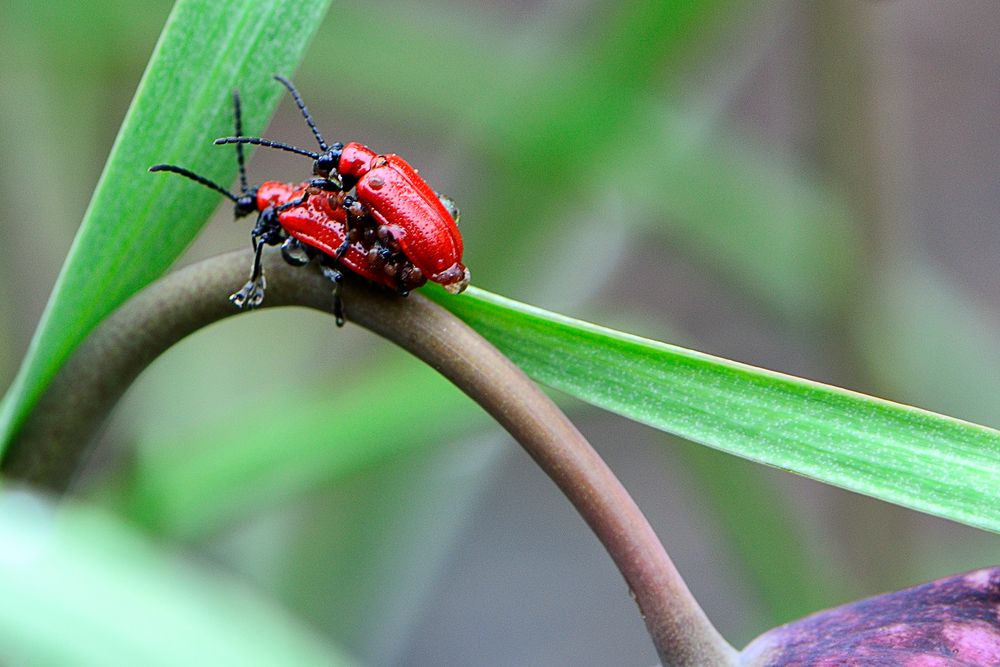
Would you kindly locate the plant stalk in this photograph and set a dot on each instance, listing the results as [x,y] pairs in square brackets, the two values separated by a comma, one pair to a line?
[51,445]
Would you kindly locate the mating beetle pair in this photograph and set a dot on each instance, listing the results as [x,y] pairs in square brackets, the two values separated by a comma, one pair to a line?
[394,230]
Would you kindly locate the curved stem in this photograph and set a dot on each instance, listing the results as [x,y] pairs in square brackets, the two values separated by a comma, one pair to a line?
[53,440]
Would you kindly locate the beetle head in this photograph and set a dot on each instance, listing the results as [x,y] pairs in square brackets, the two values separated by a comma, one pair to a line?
[245,204]
[327,161]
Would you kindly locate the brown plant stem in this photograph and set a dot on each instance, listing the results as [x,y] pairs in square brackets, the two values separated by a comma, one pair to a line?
[55,438]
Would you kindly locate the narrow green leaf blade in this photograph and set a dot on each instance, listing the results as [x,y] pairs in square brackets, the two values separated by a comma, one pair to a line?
[897,453]
[138,223]
[81,588]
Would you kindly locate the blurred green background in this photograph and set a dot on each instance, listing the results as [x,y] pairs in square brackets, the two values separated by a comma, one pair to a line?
[806,186]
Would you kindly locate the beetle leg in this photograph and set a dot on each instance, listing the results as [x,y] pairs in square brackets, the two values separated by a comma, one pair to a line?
[267,231]
[401,285]
[346,243]
[325,184]
[291,204]
[342,250]
[337,278]
[295,252]
[251,294]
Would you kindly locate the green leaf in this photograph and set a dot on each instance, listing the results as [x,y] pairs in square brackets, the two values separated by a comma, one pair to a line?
[897,453]
[138,223]
[79,588]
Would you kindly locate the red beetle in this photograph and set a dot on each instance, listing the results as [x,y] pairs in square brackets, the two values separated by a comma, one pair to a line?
[321,222]
[411,217]
[309,221]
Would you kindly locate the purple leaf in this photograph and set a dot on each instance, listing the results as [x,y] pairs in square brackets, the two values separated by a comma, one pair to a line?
[949,622]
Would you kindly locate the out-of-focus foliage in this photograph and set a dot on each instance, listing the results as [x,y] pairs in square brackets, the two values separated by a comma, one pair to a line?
[894,452]
[82,588]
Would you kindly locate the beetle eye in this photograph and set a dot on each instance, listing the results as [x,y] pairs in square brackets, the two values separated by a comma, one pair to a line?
[324,165]
[245,205]
[450,206]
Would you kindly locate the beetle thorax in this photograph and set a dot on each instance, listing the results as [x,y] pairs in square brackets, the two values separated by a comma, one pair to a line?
[355,161]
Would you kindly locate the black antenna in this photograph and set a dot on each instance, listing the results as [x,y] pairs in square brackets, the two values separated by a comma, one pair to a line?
[302,107]
[196,178]
[246,202]
[258,141]
[187,173]
[238,119]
